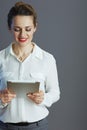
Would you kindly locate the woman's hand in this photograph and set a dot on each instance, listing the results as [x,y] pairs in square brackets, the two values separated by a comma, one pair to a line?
[6,96]
[37,97]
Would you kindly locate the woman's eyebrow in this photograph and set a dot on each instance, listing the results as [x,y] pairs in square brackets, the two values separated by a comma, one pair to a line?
[23,27]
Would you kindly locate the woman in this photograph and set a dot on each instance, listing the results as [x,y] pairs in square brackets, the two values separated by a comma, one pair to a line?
[24,60]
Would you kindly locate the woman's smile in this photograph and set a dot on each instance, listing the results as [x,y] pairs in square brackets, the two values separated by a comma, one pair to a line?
[22,39]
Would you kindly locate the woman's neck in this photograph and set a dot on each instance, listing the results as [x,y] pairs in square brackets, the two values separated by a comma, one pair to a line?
[22,52]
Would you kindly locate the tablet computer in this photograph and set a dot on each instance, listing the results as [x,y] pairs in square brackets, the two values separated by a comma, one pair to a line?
[23,87]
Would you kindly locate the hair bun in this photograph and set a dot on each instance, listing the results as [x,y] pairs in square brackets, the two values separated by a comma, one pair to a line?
[19,4]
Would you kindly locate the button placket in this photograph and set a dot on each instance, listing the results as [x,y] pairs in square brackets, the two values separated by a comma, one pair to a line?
[21,70]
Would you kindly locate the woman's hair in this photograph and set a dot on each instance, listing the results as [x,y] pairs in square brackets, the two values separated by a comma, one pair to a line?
[21,8]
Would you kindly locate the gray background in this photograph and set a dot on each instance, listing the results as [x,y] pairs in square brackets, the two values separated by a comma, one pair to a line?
[62,32]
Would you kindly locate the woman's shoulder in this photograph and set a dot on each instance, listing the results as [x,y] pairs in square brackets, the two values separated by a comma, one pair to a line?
[47,55]
[2,56]
[3,52]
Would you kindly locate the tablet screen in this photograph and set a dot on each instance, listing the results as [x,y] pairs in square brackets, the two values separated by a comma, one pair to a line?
[23,87]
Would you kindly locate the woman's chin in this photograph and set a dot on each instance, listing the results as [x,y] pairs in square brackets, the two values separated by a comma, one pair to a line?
[22,44]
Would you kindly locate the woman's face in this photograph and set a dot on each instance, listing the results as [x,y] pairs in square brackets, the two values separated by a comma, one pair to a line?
[23,29]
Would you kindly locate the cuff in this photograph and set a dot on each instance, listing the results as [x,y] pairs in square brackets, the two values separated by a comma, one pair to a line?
[2,105]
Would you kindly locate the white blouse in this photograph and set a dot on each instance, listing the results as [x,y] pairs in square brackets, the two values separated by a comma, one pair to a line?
[38,66]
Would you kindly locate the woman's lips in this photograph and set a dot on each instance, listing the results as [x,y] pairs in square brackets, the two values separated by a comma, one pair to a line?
[22,39]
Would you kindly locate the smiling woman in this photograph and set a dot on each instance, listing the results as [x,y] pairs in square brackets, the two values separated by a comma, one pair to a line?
[23,60]
[23,29]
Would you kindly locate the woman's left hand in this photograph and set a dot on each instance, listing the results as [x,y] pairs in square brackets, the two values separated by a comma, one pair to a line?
[37,97]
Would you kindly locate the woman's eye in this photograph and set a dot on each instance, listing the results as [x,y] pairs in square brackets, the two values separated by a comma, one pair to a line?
[16,29]
[28,29]
[19,29]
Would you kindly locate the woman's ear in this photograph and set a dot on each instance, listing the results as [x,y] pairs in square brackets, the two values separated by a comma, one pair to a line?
[9,29]
[35,28]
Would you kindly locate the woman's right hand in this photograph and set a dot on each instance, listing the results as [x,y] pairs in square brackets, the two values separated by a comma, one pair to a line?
[6,96]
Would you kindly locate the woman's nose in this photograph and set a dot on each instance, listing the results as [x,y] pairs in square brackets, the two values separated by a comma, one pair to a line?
[23,33]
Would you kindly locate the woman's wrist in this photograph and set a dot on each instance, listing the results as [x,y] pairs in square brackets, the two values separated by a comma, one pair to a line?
[2,105]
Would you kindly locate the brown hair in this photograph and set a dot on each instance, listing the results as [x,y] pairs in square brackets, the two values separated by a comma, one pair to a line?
[21,8]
